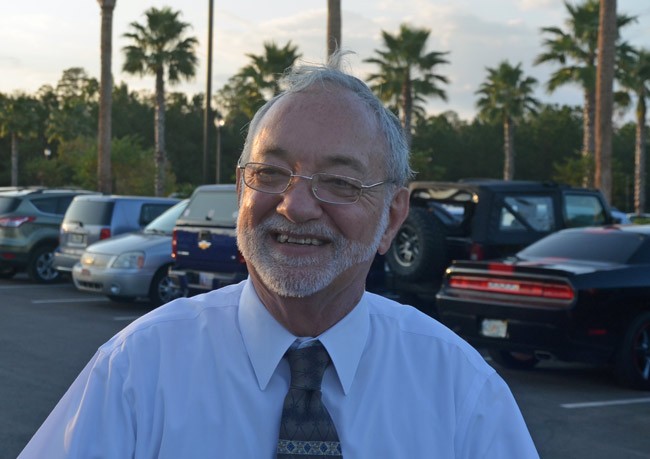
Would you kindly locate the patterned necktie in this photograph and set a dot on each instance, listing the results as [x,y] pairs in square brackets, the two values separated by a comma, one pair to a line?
[306,428]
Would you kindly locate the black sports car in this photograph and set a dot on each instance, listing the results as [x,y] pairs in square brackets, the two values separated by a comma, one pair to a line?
[575,295]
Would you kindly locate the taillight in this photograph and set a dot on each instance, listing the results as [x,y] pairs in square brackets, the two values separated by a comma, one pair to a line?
[476,252]
[544,290]
[174,244]
[15,222]
[104,233]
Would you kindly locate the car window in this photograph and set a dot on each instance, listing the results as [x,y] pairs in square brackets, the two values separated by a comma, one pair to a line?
[167,220]
[527,212]
[215,207]
[583,210]
[90,212]
[47,205]
[62,203]
[593,245]
[8,204]
[149,212]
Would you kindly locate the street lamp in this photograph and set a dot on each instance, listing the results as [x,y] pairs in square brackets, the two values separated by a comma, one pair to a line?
[218,123]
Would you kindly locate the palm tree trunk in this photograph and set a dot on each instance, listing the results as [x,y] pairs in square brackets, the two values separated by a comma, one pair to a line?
[333,26]
[407,106]
[639,156]
[588,143]
[160,154]
[508,149]
[605,96]
[14,159]
[104,180]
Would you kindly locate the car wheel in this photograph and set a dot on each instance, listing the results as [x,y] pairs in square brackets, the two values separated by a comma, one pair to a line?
[7,273]
[514,360]
[162,289]
[40,267]
[418,249]
[632,366]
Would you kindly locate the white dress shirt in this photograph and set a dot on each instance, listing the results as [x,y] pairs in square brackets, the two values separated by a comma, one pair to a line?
[204,377]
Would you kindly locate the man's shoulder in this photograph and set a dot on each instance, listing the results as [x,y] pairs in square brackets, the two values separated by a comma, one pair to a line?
[406,324]
[182,315]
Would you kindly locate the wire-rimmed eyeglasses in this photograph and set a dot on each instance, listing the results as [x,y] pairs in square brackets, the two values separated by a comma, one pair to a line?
[329,188]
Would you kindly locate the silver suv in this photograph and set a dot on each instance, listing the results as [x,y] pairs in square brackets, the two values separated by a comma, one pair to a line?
[93,218]
[29,229]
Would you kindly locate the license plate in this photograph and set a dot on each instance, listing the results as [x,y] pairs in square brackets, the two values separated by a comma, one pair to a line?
[493,328]
[77,238]
[205,280]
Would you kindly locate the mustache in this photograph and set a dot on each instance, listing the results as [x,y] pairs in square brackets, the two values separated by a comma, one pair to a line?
[279,224]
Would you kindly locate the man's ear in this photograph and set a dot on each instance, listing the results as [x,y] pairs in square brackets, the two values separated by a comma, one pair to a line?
[399,209]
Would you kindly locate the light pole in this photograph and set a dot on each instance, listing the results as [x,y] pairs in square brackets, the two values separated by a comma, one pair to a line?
[208,95]
[218,123]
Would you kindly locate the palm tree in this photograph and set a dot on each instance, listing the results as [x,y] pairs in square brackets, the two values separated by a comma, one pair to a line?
[160,48]
[635,77]
[575,50]
[406,72]
[105,98]
[605,96]
[264,69]
[507,96]
[18,120]
[333,26]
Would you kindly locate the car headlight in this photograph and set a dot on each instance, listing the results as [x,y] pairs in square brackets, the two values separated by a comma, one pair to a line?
[129,260]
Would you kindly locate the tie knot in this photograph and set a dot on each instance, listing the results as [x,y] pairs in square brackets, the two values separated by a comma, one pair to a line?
[307,366]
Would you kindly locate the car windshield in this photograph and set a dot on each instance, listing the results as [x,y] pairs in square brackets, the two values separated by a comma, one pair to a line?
[612,246]
[166,221]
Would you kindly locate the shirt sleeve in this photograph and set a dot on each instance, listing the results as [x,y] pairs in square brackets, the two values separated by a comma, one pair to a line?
[495,426]
[92,419]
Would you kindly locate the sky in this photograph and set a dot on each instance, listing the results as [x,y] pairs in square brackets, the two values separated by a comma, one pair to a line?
[39,39]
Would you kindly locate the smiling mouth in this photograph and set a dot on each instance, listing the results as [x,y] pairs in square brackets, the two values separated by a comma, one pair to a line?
[286,239]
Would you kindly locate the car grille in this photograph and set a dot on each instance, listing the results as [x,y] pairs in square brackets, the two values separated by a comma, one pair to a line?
[91,285]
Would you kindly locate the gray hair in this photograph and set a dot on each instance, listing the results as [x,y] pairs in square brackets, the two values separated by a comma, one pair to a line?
[301,78]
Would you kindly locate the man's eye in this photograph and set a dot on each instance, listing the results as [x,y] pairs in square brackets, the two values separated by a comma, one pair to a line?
[341,183]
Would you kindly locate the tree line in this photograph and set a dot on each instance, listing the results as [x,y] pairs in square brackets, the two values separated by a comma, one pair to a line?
[49,138]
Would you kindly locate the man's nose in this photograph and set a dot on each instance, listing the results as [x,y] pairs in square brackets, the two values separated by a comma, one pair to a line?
[298,202]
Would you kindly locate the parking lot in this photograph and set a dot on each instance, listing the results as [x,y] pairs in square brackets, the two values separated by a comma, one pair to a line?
[48,333]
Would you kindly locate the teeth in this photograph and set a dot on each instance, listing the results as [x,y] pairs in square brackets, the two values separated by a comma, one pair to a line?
[283,238]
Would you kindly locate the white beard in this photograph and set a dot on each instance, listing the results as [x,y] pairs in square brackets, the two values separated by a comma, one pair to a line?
[299,277]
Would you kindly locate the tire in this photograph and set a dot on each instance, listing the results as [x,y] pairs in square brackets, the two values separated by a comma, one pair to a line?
[40,267]
[632,365]
[162,290]
[514,360]
[418,250]
[7,273]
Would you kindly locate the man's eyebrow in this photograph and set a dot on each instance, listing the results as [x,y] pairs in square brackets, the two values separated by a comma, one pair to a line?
[326,161]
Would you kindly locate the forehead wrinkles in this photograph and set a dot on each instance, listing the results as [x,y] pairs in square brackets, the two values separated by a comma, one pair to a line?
[331,120]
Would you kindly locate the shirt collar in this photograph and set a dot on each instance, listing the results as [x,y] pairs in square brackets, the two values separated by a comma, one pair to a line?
[266,340]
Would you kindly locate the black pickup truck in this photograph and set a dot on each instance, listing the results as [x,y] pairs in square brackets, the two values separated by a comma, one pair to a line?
[479,219]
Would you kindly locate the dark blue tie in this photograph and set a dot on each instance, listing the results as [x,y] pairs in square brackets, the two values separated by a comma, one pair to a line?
[306,428]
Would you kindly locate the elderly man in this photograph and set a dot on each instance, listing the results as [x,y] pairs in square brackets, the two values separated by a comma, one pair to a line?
[299,360]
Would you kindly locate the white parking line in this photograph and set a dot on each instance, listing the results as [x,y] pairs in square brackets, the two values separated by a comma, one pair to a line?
[68,300]
[629,401]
